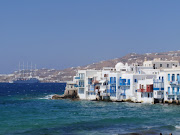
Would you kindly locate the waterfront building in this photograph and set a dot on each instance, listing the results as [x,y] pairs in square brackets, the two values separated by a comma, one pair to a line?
[155,81]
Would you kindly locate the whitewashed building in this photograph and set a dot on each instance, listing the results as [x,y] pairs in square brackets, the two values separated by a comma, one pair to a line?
[155,81]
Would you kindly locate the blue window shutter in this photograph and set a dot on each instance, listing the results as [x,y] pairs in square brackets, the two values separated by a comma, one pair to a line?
[168,77]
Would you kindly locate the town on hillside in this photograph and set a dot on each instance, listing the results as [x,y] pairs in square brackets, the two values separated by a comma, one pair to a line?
[156,81]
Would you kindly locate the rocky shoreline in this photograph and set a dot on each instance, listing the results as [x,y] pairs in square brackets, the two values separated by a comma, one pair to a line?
[64,96]
[75,96]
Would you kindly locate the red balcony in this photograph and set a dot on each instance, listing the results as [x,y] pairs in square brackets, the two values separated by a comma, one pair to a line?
[141,90]
[149,88]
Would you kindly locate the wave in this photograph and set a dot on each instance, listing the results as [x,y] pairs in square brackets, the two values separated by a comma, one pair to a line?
[177,126]
[47,97]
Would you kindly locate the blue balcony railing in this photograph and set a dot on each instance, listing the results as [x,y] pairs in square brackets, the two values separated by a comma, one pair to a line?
[174,82]
[113,94]
[80,85]
[111,91]
[91,93]
[158,88]
[170,93]
[77,77]
[122,82]
[123,94]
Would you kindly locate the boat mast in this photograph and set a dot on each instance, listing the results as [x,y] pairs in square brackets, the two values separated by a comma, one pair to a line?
[23,69]
[27,70]
[19,74]
[35,70]
[31,69]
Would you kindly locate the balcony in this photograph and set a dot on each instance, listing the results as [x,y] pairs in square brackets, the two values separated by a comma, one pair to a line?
[158,96]
[113,94]
[123,94]
[141,90]
[170,93]
[158,89]
[122,82]
[112,83]
[77,77]
[174,82]
[149,88]
[158,81]
[81,86]
[91,93]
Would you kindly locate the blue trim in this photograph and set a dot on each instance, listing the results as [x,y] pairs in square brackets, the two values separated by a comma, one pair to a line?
[77,77]
[169,77]
[158,88]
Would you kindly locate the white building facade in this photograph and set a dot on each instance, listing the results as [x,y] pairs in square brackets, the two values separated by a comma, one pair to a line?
[146,84]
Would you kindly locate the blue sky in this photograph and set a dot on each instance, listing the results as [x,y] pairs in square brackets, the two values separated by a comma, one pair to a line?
[67,33]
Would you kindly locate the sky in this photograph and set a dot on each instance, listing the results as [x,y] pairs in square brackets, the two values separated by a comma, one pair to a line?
[67,33]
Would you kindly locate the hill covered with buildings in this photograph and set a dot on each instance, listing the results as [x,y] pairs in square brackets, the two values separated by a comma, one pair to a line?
[54,75]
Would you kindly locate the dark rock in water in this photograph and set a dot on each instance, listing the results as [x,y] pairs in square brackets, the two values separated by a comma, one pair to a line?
[67,95]
[57,96]
[71,92]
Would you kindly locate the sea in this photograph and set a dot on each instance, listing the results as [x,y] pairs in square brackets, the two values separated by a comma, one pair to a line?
[26,109]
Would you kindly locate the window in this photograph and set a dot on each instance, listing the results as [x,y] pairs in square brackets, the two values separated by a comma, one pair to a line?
[81,83]
[110,79]
[114,79]
[173,77]
[178,79]
[135,80]
[167,65]
[154,66]
[177,90]
[173,90]
[168,77]
[160,65]
[81,75]
[81,91]
[168,90]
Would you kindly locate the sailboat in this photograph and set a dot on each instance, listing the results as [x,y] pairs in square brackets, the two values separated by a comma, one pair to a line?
[24,76]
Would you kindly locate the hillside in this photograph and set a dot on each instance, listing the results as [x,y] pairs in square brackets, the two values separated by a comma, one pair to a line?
[52,75]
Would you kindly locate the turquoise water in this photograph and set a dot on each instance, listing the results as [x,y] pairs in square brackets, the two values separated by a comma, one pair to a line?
[26,110]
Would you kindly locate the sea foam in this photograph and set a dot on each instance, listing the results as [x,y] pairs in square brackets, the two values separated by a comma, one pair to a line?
[47,97]
[177,126]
